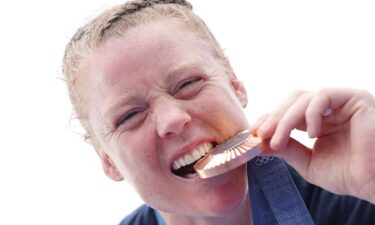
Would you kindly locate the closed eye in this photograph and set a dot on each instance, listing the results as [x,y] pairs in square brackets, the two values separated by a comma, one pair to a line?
[188,88]
[129,117]
[189,82]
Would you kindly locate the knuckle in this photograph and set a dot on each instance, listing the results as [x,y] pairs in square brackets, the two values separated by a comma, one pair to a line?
[324,91]
[306,96]
[324,94]
[310,112]
[365,97]
[297,93]
[273,117]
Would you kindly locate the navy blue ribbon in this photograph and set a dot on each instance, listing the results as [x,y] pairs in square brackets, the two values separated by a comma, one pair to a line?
[274,197]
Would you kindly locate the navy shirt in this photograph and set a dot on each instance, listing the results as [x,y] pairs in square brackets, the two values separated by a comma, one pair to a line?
[325,208]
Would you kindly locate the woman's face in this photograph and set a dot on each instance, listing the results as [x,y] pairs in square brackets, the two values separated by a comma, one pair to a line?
[154,97]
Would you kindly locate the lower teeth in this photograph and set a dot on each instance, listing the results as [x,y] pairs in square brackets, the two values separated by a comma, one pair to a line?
[191,175]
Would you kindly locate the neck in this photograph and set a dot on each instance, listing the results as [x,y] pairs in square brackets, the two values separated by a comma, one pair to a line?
[240,216]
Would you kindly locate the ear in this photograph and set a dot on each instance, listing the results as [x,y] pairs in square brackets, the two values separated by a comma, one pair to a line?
[239,89]
[109,167]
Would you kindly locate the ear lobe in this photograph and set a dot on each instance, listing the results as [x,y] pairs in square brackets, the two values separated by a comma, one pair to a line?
[110,168]
[239,90]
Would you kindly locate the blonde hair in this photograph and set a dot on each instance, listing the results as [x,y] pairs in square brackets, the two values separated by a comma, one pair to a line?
[115,22]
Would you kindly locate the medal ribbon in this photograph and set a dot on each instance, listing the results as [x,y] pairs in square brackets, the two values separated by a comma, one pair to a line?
[274,197]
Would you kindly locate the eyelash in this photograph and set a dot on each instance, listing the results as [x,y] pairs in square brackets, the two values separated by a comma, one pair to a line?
[187,83]
[128,116]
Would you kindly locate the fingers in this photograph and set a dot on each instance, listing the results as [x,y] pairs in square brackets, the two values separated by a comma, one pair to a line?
[266,125]
[255,126]
[324,104]
[292,118]
[295,154]
[299,157]
[319,106]
[305,111]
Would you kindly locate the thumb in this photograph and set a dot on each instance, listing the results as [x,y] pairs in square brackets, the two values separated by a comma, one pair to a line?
[294,153]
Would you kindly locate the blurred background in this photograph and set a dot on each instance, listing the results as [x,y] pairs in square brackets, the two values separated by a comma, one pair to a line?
[49,175]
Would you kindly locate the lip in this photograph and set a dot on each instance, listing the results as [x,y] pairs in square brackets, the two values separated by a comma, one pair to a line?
[194,180]
[187,148]
[218,178]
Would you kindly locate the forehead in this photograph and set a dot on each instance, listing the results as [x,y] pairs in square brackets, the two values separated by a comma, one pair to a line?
[144,53]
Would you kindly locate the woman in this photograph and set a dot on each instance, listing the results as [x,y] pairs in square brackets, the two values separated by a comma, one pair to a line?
[152,87]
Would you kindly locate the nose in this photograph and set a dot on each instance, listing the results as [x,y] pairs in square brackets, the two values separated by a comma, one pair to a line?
[171,118]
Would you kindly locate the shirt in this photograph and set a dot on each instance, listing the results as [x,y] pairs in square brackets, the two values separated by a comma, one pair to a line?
[324,207]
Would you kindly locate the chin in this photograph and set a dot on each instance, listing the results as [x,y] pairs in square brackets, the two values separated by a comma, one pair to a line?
[216,207]
[221,196]
[224,208]
[230,195]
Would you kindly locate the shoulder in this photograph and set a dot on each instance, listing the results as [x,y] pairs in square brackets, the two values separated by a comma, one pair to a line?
[328,208]
[141,216]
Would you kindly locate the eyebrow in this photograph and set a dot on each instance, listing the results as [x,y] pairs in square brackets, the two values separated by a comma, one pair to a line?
[183,66]
[124,100]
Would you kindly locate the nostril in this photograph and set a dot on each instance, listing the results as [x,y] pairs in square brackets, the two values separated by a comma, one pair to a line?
[172,122]
[169,134]
[187,123]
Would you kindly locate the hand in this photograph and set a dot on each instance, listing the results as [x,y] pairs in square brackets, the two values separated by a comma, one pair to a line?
[342,159]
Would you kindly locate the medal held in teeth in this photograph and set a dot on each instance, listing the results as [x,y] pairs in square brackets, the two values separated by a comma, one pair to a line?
[229,155]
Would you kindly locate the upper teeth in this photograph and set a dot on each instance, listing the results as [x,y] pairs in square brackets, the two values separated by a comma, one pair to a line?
[193,156]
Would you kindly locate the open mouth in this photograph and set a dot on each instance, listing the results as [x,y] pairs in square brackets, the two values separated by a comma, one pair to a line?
[184,166]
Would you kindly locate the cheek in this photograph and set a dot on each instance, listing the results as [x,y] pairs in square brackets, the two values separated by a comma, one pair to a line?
[140,166]
[221,108]
[136,154]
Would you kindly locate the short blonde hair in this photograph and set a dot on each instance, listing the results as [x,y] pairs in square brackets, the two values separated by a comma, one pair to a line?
[115,22]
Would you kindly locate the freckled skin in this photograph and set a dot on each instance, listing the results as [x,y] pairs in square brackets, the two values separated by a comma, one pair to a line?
[208,109]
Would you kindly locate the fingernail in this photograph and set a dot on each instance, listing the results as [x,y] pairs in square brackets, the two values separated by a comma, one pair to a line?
[328,112]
